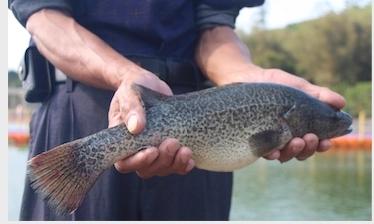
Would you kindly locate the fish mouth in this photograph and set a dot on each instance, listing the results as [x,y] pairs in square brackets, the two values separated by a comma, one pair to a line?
[344,116]
[347,131]
[345,120]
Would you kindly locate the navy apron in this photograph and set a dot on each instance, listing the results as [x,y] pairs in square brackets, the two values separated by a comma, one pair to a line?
[69,114]
[146,32]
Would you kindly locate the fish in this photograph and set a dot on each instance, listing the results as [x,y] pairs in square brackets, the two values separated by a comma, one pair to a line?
[227,127]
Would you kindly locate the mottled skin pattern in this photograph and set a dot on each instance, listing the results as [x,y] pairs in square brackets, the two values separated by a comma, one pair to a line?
[226,127]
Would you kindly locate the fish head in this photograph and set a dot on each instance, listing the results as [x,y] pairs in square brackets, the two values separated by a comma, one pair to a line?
[338,124]
[313,116]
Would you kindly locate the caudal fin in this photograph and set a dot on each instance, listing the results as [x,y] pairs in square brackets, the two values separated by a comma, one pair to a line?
[61,177]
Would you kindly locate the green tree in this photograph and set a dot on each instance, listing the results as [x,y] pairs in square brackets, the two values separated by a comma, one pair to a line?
[334,51]
[358,98]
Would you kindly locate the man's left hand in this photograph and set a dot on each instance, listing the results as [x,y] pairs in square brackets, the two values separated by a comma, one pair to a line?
[301,148]
[224,59]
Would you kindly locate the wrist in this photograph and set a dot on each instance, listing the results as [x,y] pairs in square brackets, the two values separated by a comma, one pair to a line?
[124,71]
[246,72]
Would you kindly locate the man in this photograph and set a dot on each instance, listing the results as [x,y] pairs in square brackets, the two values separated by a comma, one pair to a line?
[105,46]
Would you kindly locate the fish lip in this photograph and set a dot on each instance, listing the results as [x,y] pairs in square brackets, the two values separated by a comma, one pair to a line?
[348,130]
[344,116]
[346,120]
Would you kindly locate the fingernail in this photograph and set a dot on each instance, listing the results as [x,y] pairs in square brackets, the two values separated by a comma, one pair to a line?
[185,159]
[295,149]
[190,165]
[132,122]
[302,158]
[275,155]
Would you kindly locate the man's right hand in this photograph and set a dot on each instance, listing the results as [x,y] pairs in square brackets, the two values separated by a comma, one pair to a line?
[86,58]
[126,107]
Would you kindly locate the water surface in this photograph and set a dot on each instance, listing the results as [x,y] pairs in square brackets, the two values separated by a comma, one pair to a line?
[330,186]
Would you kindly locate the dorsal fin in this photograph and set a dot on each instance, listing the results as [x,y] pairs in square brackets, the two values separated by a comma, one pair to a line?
[148,96]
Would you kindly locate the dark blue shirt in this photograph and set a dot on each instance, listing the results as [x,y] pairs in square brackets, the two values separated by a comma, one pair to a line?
[160,28]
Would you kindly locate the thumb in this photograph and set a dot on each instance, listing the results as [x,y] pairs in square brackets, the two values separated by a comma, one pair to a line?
[165,89]
[132,111]
[114,115]
[134,122]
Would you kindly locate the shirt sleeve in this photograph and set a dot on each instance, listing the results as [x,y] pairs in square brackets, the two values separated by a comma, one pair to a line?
[215,13]
[208,17]
[23,9]
[232,3]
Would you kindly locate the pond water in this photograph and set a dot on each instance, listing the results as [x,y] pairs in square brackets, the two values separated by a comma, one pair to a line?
[332,186]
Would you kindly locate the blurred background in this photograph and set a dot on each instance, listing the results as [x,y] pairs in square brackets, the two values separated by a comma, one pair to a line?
[328,42]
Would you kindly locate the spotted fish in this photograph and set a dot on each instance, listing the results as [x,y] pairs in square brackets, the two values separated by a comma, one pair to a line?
[226,127]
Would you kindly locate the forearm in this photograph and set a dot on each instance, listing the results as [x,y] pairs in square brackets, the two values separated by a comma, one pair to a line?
[76,51]
[221,56]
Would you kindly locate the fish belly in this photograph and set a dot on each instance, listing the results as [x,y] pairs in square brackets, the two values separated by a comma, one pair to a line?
[224,158]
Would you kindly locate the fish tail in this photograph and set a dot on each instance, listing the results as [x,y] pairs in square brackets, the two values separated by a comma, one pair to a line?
[61,177]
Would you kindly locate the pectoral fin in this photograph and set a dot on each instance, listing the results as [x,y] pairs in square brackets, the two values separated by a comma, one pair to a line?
[288,115]
[264,141]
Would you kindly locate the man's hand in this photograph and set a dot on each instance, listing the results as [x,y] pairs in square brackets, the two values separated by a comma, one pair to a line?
[170,156]
[86,58]
[301,148]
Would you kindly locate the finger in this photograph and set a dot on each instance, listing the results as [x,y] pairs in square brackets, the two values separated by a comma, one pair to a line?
[311,144]
[141,159]
[131,109]
[324,145]
[326,95]
[164,88]
[293,148]
[183,162]
[322,93]
[162,166]
[272,155]
[114,115]
[151,81]
[189,167]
